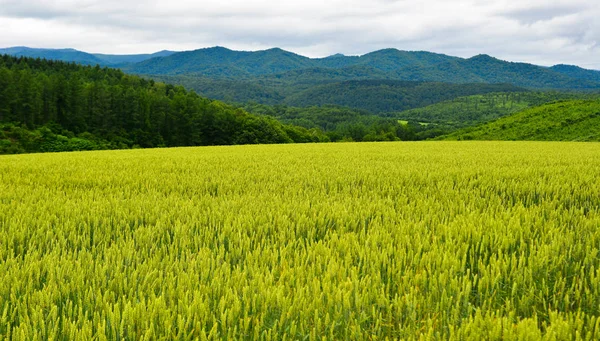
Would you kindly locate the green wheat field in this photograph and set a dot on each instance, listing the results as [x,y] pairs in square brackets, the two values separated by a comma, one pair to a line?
[370,241]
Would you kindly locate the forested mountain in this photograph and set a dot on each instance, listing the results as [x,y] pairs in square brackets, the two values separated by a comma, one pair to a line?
[386,60]
[72,55]
[577,72]
[55,106]
[486,69]
[209,61]
[574,120]
[278,77]
[279,65]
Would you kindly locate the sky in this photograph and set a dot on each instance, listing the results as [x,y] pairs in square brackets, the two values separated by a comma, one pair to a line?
[544,32]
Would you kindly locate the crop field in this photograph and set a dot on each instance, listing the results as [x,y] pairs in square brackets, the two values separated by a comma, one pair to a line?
[375,241]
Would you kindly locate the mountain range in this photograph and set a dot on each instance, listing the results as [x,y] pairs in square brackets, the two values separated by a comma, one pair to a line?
[222,63]
[376,81]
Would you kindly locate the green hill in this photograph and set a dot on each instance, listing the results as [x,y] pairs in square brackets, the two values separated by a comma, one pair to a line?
[574,120]
[470,110]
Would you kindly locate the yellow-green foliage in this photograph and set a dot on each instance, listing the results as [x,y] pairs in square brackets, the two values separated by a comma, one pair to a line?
[437,240]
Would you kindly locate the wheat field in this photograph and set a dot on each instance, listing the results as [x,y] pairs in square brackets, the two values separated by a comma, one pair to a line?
[369,241]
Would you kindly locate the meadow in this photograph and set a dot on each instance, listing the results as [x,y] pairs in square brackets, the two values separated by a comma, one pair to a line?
[375,241]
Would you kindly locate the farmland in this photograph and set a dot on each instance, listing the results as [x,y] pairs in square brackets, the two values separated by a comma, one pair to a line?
[431,240]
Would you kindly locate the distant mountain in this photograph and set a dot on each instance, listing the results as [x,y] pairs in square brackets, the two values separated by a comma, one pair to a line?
[72,55]
[113,59]
[65,55]
[244,63]
[386,60]
[282,67]
[275,61]
[486,69]
[576,120]
[577,72]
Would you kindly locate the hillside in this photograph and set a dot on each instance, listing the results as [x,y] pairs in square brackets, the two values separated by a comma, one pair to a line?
[57,106]
[377,96]
[575,120]
[470,110]
[387,96]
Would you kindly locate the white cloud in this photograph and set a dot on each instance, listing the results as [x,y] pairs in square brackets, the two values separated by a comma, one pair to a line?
[534,31]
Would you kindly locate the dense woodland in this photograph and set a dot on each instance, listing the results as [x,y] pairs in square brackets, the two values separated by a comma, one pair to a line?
[55,106]
[388,96]
[346,124]
[376,96]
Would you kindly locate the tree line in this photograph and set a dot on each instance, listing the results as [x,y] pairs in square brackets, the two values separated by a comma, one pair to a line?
[44,102]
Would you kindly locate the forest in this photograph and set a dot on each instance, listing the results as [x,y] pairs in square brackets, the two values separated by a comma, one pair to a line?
[58,106]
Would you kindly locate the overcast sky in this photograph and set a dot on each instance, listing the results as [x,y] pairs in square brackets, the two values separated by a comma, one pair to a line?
[544,32]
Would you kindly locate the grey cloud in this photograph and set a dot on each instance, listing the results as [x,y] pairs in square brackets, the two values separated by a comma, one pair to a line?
[535,14]
[530,30]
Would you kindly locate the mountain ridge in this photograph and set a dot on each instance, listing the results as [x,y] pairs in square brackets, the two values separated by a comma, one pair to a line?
[81,57]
